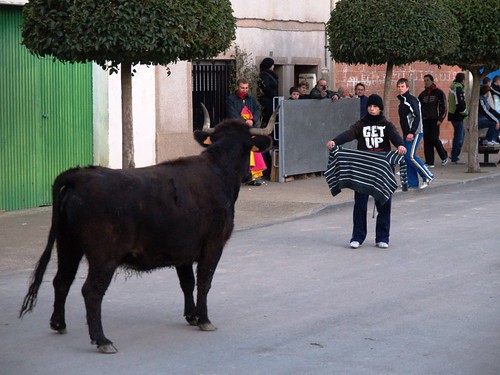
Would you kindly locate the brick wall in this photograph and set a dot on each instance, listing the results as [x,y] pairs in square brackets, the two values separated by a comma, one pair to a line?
[374,77]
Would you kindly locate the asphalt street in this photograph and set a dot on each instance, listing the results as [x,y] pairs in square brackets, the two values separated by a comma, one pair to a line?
[293,298]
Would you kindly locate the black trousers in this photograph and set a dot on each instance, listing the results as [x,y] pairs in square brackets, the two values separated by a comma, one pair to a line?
[383,223]
[432,141]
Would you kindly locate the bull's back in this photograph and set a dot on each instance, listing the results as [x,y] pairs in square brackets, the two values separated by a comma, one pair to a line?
[148,217]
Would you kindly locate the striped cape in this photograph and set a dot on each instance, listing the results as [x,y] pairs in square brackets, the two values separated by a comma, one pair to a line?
[365,172]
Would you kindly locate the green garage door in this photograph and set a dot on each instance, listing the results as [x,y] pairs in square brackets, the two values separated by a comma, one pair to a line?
[45,118]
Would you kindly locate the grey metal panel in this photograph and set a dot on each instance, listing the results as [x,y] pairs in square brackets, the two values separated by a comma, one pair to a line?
[305,126]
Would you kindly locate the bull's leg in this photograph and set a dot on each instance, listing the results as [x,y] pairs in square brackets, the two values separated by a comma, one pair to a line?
[68,261]
[186,279]
[205,273]
[93,290]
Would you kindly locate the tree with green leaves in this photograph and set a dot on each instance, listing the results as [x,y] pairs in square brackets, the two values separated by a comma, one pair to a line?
[118,34]
[478,52]
[390,32]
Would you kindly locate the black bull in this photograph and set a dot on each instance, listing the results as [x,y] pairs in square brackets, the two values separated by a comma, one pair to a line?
[172,214]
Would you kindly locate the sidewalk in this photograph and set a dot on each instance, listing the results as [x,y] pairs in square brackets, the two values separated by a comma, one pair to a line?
[23,233]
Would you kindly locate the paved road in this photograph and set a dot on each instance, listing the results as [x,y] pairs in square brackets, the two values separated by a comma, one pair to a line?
[292,298]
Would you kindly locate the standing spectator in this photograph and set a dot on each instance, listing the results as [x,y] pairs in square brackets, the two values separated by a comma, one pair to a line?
[320,91]
[433,103]
[269,86]
[495,92]
[487,117]
[304,90]
[240,104]
[410,118]
[457,111]
[360,92]
[373,133]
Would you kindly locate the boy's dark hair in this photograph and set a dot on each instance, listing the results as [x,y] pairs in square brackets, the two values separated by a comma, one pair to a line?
[486,80]
[460,77]
[430,77]
[484,90]
[403,80]
[360,84]
[293,89]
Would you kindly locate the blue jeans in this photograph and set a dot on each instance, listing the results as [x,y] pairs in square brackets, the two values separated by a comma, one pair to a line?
[484,122]
[383,226]
[458,139]
[414,165]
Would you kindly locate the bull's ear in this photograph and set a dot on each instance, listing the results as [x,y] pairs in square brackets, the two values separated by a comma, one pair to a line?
[261,143]
[203,138]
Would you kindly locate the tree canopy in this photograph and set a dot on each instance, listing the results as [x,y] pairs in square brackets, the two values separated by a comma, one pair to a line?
[479,47]
[390,32]
[133,31]
[477,52]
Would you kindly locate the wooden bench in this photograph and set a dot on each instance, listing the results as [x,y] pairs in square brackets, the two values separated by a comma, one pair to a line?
[486,150]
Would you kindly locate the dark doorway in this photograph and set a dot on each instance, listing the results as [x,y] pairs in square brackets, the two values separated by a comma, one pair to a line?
[211,81]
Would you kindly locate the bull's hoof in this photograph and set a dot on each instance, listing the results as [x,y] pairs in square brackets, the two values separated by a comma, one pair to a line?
[107,349]
[60,328]
[207,327]
[192,320]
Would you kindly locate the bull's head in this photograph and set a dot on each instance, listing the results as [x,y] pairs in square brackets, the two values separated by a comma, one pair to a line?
[254,131]
[260,137]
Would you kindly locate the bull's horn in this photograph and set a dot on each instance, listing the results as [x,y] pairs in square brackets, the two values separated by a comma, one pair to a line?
[270,125]
[206,119]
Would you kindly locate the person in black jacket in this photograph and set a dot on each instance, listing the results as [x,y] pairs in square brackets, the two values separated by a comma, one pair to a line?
[433,104]
[242,105]
[410,118]
[268,84]
[373,133]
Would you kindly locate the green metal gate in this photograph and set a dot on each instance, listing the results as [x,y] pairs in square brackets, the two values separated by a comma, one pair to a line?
[45,118]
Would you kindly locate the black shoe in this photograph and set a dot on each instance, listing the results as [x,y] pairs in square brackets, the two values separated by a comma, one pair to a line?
[253,183]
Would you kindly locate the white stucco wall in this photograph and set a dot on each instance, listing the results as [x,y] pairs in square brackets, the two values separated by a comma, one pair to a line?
[303,10]
[144,117]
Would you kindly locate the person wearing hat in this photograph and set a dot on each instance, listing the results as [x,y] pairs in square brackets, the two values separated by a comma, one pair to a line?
[373,133]
[268,85]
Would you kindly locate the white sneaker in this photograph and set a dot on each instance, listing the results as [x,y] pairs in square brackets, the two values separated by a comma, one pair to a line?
[426,183]
[489,143]
[382,245]
[445,161]
[354,244]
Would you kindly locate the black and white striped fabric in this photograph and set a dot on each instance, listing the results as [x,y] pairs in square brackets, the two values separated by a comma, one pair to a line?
[365,172]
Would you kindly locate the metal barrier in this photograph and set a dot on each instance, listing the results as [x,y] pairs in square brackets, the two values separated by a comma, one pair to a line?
[304,128]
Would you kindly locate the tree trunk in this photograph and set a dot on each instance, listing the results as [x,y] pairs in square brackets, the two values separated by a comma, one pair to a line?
[127,121]
[472,129]
[387,87]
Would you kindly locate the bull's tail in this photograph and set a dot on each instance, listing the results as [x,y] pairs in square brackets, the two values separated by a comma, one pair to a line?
[29,301]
